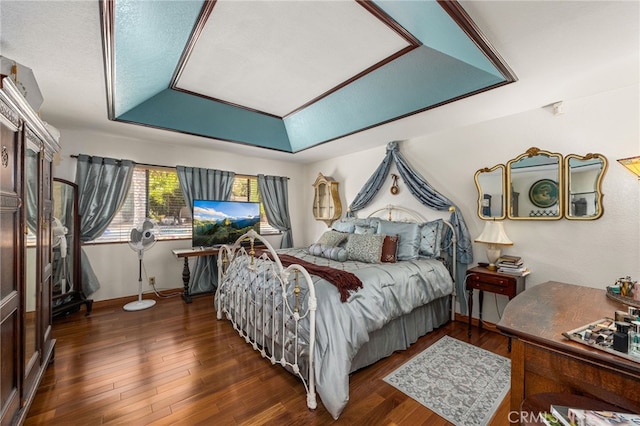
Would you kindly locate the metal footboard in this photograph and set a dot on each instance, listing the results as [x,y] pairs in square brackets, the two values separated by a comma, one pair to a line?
[273,308]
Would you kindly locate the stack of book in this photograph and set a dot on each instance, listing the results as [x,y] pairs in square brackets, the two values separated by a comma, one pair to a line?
[513,265]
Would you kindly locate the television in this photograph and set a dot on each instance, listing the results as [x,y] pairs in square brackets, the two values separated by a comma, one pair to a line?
[217,222]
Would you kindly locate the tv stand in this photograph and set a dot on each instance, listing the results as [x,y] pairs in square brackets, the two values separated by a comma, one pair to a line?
[186,273]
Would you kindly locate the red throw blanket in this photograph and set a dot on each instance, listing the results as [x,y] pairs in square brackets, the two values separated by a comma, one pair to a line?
[344,281]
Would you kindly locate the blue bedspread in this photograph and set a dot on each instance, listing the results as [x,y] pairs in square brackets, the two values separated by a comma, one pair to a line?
[389,291]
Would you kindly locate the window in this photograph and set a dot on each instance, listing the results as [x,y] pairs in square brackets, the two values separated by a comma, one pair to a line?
[245,188]
[155,193]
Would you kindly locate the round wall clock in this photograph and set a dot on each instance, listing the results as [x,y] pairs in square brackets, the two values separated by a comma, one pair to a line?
[544,193]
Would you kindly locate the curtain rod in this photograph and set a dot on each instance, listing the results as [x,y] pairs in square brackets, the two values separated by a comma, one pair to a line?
[137,163]
[165,167]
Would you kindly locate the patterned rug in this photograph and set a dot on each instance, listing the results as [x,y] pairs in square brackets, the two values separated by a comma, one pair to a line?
[458,381]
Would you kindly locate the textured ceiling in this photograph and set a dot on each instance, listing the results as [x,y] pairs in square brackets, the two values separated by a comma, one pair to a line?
[560,50]
[289,75]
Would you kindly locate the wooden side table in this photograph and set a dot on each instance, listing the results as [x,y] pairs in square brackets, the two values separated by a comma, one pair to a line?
[186,273]
[482,279]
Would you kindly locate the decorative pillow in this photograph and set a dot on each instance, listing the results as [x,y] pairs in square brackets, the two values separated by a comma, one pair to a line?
[372,222]
[344,225]
[431,238]
[364,229]
[409,235]
[329,252]
[348,224]
[390,249]
[332,238]
[365,247]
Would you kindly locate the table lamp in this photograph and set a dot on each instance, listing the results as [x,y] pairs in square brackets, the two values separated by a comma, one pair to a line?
[493,234]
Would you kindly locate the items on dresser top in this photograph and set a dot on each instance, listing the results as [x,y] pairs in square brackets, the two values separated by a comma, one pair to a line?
[549,362]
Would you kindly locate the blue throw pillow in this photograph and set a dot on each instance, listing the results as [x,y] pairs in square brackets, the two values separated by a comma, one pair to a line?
[364,229]
[344,225]
[431,238]
[408,234]
[329,252]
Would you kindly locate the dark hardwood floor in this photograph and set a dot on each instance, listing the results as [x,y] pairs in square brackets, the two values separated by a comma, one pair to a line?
[176,364]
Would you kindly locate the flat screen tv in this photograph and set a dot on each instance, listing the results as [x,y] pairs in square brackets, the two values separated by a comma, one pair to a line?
[218,222]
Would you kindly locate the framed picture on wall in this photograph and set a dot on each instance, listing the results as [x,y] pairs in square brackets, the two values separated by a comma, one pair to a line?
[544,193]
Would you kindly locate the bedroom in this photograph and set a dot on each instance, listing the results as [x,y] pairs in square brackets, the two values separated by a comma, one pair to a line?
[598,87]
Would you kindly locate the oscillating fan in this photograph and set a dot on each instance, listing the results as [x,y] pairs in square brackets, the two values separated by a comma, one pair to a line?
[141,239]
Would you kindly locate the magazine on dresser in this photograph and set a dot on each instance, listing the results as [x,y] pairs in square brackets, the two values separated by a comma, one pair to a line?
[569,416]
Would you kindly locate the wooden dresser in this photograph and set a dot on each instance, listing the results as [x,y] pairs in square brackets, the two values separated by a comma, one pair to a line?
[542,360]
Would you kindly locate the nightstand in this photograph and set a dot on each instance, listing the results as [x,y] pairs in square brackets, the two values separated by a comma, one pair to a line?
[482,279]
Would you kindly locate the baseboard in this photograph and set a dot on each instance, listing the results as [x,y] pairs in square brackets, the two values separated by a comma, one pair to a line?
[489,326]
[125,299]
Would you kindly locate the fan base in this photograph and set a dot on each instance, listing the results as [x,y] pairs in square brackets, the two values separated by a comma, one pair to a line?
[139,305]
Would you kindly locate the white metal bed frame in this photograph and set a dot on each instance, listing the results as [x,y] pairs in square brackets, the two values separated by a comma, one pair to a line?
[241,305]
[244,304]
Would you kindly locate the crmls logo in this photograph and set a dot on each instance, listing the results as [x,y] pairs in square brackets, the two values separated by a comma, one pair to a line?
[528,417]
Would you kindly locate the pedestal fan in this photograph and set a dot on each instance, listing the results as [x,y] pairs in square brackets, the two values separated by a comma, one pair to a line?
[141,239]
[60,240]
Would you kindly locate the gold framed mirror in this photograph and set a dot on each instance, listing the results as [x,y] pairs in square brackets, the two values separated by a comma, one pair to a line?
[535,187]
[491,186]
[583,179]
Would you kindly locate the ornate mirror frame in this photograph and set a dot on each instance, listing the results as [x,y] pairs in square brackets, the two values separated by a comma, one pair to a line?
[535,187]
[543,185]
[491,185]
[583,179]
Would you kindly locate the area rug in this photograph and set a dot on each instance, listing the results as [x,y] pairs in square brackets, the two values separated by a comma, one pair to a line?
[458,381]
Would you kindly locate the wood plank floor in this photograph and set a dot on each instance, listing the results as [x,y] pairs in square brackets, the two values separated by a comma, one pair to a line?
[176,364]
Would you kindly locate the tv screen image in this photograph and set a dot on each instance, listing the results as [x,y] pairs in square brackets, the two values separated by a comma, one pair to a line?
[217,222]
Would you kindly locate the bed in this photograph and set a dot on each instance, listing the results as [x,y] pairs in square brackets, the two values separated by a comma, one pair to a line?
[327,310]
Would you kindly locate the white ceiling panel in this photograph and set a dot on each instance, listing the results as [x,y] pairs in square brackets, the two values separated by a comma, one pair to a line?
[275,57]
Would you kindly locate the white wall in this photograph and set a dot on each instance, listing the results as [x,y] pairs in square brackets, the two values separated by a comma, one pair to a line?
[589,253]
[116,265]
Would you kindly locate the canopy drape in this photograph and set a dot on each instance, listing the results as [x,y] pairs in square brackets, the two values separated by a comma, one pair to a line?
[427,195]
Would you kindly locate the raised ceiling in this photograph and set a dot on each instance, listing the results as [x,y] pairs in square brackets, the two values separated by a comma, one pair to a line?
[289,75]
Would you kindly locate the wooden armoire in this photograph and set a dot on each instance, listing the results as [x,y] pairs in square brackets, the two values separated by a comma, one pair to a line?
[26,345]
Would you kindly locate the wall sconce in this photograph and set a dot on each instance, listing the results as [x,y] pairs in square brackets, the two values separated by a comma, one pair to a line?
[493,234]
[632,164]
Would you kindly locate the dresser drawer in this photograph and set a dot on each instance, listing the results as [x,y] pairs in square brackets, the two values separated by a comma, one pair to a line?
[492,283]
[491,279]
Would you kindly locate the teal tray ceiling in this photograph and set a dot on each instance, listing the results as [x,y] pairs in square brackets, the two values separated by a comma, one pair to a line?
[147,42]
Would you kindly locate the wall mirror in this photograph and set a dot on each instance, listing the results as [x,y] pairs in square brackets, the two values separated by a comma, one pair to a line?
[583,179]
[491,189]
[31,164]
[535,189]
[67,293]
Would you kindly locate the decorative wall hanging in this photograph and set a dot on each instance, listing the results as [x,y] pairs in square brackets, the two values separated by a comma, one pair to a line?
[394,186]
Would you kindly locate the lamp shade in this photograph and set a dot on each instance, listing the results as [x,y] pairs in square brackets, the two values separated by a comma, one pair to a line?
[493,233]
[632,164]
